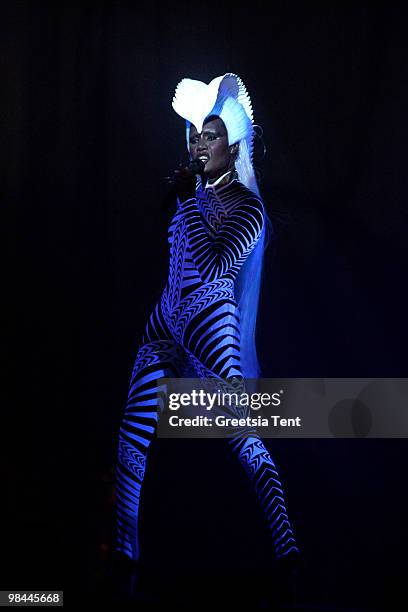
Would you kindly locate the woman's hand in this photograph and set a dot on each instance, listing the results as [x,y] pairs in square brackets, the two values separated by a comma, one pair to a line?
[185,182]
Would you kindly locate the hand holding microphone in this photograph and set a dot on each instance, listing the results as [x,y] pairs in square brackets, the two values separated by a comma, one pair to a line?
[183,181]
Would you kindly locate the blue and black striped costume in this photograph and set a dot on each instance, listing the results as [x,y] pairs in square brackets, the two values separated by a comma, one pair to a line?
[193,331]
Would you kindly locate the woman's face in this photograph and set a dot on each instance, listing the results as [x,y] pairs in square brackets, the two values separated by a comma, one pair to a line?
[212,147]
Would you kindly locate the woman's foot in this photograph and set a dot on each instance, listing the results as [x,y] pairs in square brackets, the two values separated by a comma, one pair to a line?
[124,575]
[287,570]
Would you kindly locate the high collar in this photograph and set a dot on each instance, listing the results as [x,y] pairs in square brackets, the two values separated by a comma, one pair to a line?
[219,179]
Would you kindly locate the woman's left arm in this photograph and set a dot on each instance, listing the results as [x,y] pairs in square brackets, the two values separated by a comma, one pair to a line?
[236,237]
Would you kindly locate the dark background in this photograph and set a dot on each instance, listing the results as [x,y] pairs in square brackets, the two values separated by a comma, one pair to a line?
[87,133]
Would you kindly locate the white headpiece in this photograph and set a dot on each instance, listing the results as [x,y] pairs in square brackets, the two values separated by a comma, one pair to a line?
[226,97]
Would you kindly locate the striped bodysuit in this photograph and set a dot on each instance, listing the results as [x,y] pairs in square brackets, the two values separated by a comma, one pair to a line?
[193,331]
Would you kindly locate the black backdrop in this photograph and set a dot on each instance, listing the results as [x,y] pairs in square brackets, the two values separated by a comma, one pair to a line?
[88,132]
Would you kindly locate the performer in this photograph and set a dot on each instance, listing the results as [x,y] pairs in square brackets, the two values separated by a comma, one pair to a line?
[203,325]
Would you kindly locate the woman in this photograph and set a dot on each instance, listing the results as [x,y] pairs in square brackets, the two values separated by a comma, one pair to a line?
[204,323]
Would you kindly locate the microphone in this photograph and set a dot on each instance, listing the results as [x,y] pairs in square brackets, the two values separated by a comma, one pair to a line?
[196,166]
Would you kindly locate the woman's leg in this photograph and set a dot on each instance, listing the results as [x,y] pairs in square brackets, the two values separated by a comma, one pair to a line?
[258,464]
[157,358]
[212,339]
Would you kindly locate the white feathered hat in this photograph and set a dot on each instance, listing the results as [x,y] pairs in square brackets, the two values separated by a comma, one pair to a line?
[226,97]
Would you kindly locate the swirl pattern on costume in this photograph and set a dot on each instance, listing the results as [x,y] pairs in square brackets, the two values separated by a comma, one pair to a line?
[194,331]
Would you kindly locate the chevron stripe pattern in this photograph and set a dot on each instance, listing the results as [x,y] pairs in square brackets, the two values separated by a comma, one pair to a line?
[258,464]
[194,331]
